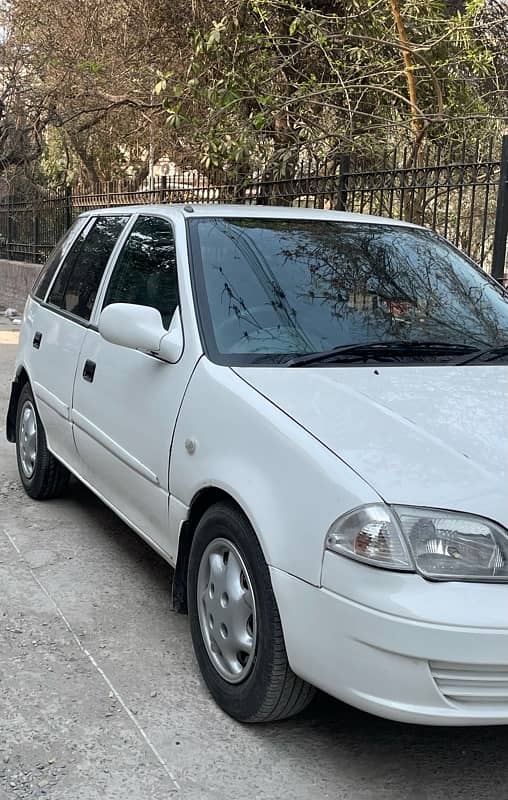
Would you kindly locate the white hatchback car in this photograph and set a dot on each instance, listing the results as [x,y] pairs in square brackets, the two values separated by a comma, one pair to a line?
[306,414]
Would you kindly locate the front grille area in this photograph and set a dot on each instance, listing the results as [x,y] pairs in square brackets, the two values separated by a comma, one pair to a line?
[471,683]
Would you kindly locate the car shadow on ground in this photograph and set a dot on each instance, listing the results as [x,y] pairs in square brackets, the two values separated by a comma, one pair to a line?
[396,760]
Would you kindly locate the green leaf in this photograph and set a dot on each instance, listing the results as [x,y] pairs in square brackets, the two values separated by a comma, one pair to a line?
[174,120]
[259,121]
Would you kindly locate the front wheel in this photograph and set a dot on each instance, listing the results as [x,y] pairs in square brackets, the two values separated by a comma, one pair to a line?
[235,623]
[42,475]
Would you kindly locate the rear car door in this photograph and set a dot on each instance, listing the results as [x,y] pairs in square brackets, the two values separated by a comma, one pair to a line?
[57,321]
[126,401]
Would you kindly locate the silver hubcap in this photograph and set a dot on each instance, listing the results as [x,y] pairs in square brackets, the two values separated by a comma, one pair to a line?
[28,438]
[227,610]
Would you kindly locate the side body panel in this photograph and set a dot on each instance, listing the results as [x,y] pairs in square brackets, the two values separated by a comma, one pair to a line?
[123,426]
[124,419]
[51,370]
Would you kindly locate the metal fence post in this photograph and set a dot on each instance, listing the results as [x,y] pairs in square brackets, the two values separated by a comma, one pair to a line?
[163,186]
[501,229]
[35,231]
[68,206]
[344,168]
[9,224]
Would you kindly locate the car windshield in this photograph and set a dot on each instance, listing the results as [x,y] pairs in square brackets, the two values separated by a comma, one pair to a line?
[274,289]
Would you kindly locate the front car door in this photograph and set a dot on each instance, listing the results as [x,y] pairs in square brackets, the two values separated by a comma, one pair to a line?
[57,319]
[125,401]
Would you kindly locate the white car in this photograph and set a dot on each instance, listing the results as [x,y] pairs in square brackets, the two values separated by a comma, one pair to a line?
[304,412]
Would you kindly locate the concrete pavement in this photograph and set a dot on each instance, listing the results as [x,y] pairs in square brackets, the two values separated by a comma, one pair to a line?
[100,696]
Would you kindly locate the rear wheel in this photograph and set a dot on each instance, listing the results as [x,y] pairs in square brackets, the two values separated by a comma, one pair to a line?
[235,623]
[42,475]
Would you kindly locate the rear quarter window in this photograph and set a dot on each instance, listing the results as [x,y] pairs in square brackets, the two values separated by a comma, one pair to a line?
[78,281]
[46,275]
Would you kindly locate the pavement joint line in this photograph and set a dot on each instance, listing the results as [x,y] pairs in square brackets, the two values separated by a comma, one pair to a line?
[89,656]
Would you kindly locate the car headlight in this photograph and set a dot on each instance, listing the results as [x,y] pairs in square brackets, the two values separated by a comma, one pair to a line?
[441,545]
[371,534]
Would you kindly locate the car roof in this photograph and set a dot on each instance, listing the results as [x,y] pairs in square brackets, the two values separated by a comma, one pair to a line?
[190,210]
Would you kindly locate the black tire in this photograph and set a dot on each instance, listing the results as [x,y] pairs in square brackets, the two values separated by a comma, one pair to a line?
[49,477]
[271,690]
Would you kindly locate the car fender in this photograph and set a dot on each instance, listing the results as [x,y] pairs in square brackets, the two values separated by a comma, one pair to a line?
[289,485]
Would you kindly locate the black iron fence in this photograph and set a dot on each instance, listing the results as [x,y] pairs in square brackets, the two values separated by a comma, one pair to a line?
[462,194]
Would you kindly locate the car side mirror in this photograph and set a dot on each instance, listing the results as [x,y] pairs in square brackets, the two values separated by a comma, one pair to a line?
[141,328]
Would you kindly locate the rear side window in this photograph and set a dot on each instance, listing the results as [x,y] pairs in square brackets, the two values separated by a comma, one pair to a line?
[45,277]
[145,272]
[77,283]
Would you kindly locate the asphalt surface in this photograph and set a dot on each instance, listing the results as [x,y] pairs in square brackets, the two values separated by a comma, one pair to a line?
[100,696]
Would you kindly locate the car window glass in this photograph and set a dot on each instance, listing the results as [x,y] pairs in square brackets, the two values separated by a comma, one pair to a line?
[276,287]
[77,283]
[45,276]
[145,272]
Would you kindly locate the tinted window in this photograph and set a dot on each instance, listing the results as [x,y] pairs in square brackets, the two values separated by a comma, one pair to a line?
[273,288]
[77,283]
[45,277]
[145,272]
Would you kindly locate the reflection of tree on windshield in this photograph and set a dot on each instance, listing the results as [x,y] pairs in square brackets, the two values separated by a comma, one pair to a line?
[273,305]
[299,286]
[404,280]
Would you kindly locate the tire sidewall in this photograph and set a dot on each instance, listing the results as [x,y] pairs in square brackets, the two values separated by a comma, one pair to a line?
[32,484]
[240,700]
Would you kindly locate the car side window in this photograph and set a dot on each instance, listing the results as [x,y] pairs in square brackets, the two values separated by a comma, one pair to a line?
[77,283]
[47,273]
[145,272]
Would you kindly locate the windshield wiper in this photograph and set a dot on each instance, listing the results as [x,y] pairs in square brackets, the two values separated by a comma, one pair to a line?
[490,354]
[380,351]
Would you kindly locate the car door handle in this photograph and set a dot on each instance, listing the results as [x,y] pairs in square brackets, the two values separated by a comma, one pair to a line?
[37,340]
[89,370]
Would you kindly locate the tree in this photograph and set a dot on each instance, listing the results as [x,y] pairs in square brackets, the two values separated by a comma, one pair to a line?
[87,76]
[283,80]
[96,92]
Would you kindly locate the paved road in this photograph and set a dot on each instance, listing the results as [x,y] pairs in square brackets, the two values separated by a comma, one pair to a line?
[100,696]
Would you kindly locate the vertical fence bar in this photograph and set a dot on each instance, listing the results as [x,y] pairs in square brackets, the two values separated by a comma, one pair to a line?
[68,206]
[35,232]
[307,185]
[342,191]
[392,182]
[9,224]
[163,189]
[474,179]
[483,238]
[458,222]
[423,188]
[501,227]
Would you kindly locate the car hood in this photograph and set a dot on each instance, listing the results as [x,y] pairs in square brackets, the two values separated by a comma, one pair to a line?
[432,436]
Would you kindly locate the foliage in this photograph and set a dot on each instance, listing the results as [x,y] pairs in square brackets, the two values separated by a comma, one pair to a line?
[284,78]
[96,92]
[85,72]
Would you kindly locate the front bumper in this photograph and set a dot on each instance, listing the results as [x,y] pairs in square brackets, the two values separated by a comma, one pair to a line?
[389,660]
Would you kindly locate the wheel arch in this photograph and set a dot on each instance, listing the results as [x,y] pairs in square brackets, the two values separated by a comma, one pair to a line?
[203,500]
[18,383]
